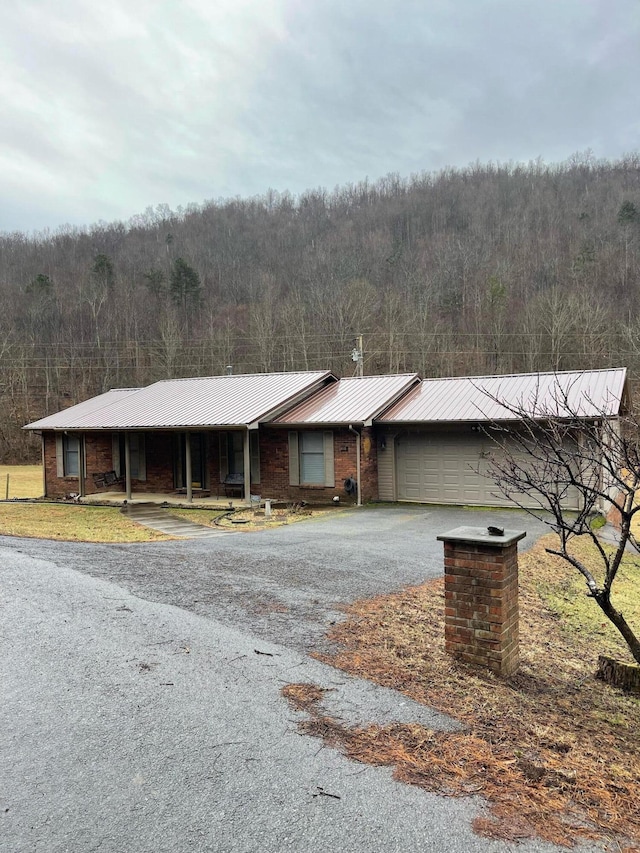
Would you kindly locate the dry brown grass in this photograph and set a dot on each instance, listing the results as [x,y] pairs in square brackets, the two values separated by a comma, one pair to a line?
[72,522]
[555,752]
[25,481]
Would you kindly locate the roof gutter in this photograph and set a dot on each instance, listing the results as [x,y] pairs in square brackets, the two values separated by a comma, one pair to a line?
[359,487]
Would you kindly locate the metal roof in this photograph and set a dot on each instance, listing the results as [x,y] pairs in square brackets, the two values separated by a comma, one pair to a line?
[88,408]
[588,393]
[355,400]
[224,401]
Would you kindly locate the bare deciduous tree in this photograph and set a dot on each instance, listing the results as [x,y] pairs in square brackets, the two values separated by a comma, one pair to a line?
[561,452]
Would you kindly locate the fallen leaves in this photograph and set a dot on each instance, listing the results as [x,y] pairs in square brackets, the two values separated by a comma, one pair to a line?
[554,752]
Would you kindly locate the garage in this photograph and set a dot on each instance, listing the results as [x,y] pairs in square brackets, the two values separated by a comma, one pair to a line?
[441,468]
[435,444]
[448,468]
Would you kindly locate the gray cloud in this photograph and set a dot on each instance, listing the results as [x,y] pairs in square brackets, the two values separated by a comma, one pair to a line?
[105,113]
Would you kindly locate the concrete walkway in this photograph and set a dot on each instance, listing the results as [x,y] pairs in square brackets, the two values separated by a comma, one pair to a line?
[611,535]
[156,518]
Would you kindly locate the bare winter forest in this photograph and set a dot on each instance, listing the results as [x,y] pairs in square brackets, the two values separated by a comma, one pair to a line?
[487,269]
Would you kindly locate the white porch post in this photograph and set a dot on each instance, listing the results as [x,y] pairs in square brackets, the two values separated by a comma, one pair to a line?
[187,467]
[247,468]
[127,464]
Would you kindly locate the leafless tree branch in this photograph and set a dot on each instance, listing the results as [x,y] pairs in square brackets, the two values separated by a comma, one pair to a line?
[564,459]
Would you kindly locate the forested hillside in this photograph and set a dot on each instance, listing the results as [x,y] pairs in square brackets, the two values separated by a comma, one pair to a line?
[487,269]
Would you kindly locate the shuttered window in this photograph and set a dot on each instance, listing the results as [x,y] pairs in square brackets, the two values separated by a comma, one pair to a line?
[137,455]
[254,446]
[232,455]
[71,455]
[68,455]
[311,458]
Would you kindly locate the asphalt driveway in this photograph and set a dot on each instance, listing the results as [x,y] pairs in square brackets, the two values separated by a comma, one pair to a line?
[283,584]
[141,703]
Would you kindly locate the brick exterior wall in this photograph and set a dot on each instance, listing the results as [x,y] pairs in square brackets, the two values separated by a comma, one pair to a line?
[158,447]
[274,466]
[481,604]
[99,459]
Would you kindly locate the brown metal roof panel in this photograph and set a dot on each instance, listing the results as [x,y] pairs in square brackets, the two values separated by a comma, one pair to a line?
[588,393]
[222,400]
[234,400]
[68,418]
[351,400]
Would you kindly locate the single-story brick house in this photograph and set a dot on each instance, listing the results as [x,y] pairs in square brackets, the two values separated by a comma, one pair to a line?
[304,435]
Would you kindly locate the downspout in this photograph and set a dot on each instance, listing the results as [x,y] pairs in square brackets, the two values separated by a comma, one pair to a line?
[359,487]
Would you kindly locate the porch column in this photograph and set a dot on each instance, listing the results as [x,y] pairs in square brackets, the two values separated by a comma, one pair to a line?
[187,467]
[82,455]
[44,466]
[127,465]
[247,468]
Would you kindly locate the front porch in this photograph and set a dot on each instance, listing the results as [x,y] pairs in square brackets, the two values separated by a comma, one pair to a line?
[119,498]
[206,468]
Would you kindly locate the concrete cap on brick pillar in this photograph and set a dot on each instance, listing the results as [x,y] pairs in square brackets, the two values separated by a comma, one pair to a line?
[481,536]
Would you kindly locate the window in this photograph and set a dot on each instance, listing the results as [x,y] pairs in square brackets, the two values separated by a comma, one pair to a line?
[232,454]
[311,458]
[71,455]
[235,453]
[137,455]
[68,455]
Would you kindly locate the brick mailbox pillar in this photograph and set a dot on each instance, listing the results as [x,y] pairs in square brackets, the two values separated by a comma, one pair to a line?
[481,597]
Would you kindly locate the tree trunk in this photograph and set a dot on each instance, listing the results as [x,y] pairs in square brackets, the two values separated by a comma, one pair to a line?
[617,619]
[623,675]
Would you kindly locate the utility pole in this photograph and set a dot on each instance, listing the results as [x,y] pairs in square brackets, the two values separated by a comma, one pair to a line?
[357,355]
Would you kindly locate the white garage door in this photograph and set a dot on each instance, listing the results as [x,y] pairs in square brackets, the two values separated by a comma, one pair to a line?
[447,468]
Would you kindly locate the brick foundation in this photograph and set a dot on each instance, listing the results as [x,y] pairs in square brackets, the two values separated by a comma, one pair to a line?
[481,598]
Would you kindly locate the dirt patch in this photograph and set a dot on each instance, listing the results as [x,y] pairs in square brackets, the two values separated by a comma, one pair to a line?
[250,520]
[555,752]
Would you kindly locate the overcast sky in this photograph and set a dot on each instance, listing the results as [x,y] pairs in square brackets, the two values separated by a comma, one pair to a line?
[107,108]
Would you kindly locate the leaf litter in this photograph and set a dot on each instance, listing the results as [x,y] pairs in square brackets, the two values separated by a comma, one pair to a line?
[554,752]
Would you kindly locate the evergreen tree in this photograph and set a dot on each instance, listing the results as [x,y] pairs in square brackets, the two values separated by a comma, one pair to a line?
[184,285]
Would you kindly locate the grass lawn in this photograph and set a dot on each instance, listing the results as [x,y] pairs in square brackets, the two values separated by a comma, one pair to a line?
[555,752]
[25,481]
[72,522]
